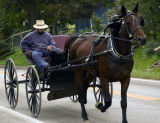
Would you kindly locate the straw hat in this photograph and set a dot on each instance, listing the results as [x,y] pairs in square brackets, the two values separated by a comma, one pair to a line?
[40,24]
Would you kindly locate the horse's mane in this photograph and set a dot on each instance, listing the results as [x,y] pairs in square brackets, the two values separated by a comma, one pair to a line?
[114,25]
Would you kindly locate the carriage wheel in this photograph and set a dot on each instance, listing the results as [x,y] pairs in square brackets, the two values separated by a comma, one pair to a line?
[33,91]
[74,98]
[11,83]
[98,91]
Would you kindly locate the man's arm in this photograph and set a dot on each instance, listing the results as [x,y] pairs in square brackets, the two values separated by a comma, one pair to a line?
[25,43]
[52,45]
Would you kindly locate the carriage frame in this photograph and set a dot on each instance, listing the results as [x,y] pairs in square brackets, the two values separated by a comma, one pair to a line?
[35,84]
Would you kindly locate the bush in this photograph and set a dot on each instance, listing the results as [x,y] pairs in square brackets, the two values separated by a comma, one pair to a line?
[4,49]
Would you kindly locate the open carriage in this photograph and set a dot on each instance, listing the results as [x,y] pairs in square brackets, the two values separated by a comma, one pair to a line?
[61,81]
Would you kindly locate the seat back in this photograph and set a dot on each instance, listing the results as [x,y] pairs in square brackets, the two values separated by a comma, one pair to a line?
[60,40]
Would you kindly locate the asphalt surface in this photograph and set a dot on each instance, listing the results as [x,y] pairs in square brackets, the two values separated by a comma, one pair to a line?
[143,106]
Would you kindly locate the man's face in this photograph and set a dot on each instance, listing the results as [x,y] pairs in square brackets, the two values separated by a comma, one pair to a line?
[41,31]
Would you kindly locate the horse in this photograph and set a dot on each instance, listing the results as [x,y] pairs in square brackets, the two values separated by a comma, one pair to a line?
[115,65]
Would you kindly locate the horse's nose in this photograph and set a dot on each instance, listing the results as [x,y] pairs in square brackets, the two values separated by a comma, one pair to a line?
[142,40]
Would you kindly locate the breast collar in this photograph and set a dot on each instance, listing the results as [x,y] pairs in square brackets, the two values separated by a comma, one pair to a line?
[115,55]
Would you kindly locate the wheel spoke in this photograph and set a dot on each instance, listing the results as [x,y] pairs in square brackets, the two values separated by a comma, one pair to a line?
[99,96]
[10,71]
[29,84]
[7,73]
[37,97]
[34,100]
[34,104]
[97,91]
[13,97]
[30,99]
[11,83]
[7,87]
[10,100]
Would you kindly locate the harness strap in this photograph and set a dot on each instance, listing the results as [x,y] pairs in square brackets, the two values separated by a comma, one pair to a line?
[135,29]
[127,40]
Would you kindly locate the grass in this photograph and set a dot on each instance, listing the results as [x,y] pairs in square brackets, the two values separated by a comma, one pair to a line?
[142,66]
[18,58]
[141,63]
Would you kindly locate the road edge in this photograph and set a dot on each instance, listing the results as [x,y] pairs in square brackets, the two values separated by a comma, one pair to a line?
[133,80]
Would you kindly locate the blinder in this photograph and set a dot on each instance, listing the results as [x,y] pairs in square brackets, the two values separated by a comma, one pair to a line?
[142,21]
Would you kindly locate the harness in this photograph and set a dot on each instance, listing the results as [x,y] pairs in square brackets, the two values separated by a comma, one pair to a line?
[111,46]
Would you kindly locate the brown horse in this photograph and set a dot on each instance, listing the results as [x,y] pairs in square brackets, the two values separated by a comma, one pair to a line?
[115,65]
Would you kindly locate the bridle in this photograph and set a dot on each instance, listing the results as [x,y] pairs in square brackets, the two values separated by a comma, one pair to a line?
[111,48]
[132,39]
[131,34]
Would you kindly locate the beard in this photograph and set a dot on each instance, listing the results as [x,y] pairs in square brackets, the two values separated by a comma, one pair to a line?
[40,32]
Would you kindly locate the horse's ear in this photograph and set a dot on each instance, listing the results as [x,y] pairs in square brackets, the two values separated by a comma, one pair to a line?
[123,11]
[135,10]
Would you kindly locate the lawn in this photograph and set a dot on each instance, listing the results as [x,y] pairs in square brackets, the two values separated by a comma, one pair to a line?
[142,66]
[141,69]
[18,58]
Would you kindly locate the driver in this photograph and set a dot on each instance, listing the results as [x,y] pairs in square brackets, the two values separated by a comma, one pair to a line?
[39,43]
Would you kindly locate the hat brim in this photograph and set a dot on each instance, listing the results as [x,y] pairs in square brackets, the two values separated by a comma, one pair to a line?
[40,27]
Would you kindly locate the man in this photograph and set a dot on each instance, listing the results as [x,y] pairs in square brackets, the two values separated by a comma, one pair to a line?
[39,44]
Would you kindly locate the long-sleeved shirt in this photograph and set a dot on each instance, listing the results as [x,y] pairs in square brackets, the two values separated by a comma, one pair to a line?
[35,41]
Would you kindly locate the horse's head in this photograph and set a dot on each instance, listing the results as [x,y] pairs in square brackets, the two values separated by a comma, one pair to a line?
[132,23]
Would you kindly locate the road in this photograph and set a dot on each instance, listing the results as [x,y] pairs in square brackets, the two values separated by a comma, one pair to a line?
[143,106]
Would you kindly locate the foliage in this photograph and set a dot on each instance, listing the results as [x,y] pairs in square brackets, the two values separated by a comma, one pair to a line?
[142,65]
[149,9]
[70,28]
[150,46]
[97,23]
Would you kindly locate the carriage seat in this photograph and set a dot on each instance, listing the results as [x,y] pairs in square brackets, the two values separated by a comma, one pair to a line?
[60,42]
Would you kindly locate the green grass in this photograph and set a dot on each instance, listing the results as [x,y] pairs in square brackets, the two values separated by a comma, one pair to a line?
[18,58]
[141,64]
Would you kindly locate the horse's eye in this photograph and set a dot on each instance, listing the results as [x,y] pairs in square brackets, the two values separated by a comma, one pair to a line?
[142,21]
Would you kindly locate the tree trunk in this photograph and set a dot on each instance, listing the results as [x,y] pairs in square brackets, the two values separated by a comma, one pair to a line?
[155,36]
[55,27]
[155,32]
[32,12]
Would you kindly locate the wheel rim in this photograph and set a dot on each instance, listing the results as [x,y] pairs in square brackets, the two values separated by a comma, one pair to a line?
[98,91]
[74,98]
[11,83]
[33,91]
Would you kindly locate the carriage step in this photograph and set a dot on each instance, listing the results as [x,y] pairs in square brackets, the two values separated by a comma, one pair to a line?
[53,95]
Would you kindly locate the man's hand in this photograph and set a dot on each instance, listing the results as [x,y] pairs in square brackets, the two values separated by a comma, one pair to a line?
[49,48]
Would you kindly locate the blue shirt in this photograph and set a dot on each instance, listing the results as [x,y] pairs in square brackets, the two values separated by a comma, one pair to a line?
[35,41]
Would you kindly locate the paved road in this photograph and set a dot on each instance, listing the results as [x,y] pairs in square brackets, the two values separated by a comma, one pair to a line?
[143,107]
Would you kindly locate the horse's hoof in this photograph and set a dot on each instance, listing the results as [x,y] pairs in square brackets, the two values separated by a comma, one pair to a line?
[103,109]
[124,121]
[99,105]
[86,121]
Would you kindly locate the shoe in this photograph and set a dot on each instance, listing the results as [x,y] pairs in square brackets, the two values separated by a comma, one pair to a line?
[47,67]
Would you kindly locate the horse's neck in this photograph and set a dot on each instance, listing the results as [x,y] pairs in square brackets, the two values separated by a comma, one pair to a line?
[123,47]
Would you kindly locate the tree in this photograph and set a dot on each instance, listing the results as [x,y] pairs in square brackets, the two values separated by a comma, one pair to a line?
[149,10]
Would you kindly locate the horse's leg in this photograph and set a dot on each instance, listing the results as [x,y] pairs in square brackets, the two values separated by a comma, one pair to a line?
[124,88]
[82,90]
[85,85]
[106,95]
